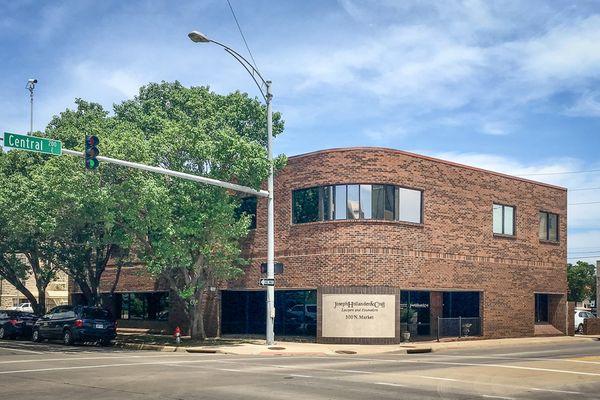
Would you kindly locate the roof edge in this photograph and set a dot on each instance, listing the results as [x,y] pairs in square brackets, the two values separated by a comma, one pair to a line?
[423,157]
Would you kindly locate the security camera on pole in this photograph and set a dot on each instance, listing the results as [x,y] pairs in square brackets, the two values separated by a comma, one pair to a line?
[265,90]
[31,86]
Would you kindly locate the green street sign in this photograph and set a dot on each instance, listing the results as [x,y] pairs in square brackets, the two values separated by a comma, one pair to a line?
[32,143]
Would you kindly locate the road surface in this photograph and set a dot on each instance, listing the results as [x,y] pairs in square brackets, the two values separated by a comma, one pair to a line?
[53,371]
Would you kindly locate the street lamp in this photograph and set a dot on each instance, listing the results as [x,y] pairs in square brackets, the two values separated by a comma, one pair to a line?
[265,90]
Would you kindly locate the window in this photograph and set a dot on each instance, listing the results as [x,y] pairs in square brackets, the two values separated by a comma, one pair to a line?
[409,207]
[503,219]
[383,205]
[353,196]
[248,207]
[152,306]
[365,201]
[381,202]
[306,205]
[340,201]
[548,226]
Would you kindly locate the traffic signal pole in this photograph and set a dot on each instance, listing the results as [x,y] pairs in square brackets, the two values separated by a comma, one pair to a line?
[182,175]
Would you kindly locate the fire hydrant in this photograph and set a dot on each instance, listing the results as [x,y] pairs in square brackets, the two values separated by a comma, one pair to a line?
[177,335]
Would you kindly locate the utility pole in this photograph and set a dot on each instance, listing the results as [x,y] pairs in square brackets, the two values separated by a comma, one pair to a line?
[31,86]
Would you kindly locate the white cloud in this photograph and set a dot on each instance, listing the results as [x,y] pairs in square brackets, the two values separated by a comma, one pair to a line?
[587,105]
[495,59]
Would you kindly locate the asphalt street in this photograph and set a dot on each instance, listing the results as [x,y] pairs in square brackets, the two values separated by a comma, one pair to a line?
[53,371]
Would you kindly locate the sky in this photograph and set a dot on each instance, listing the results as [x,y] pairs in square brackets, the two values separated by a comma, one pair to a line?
[511,86]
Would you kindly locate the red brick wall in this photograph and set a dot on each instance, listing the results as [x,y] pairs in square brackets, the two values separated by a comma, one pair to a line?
[454,248]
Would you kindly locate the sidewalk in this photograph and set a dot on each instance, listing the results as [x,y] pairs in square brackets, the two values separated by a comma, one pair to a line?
[282,348]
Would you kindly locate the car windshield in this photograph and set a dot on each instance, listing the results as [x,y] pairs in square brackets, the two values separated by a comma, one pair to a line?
[96,313]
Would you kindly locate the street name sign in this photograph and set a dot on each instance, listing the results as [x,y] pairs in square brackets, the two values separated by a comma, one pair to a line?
[267,282]
[32,143]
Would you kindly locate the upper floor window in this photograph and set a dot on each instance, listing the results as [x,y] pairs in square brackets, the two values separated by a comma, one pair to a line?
[381,202]
[503,219]
[548,226]
[248,206]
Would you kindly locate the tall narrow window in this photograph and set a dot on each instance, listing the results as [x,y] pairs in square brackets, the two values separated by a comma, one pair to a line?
[378,201]
[353,201]
[365,201]
[503,219]
[409,205]
[340,201]
[548,229]
[327,203]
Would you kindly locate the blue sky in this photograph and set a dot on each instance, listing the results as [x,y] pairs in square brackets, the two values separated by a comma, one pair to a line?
[510,86]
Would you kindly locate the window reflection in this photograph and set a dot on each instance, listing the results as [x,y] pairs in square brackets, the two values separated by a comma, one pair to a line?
[353,202]
[340,202]
[382,202]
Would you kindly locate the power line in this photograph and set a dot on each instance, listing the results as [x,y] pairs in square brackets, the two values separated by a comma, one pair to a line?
[241,33]
[575,190]
[579,258]
[561,173]
[578,204]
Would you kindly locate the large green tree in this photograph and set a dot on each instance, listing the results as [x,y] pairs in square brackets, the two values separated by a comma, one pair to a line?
[193,235]
[26,245]
[581,278]
[97,212]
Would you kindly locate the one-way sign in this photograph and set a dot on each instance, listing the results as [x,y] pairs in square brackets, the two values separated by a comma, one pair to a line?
[267,282]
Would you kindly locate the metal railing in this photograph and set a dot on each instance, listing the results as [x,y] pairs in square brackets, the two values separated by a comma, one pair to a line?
[458,327]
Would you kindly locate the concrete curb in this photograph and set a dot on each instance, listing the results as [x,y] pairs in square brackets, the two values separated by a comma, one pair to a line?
[153,347]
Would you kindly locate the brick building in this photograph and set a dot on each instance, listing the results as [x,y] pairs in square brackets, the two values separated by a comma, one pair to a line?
[378,243]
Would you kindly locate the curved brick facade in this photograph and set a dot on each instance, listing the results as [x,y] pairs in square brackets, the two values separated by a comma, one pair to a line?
[452,249]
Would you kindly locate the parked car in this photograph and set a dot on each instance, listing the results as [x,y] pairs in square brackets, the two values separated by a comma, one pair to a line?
[16,323]
[24,307]
[76,324]
[581,316]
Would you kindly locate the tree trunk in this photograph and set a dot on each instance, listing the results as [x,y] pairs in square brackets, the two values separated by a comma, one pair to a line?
[196,315]
[42,300]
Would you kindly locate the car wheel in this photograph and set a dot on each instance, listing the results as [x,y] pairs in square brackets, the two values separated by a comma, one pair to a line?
[2,333]
[580,328]
[68,337]
[35,336]
[105,343]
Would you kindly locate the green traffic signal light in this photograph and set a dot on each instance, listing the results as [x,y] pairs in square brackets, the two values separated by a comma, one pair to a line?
[91,152]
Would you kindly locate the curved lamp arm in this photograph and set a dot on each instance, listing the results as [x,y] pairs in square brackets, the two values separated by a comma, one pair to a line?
[261,83]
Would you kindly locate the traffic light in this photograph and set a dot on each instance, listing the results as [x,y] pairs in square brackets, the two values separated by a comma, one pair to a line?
[91,152]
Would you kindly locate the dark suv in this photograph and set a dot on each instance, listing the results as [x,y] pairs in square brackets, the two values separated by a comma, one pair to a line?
[14,323]
[76,324]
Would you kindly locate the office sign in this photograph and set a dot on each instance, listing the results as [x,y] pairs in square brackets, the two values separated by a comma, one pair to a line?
[359,315]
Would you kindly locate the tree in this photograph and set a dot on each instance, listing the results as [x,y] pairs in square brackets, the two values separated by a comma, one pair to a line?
[581,278]
[97,211]
[193,235]
[26,248]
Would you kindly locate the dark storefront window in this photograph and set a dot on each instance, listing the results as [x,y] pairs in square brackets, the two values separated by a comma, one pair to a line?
[244,312]
[381,202]
[152,306]
[541,308]
[248,206]
[461,304]
[415,312]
